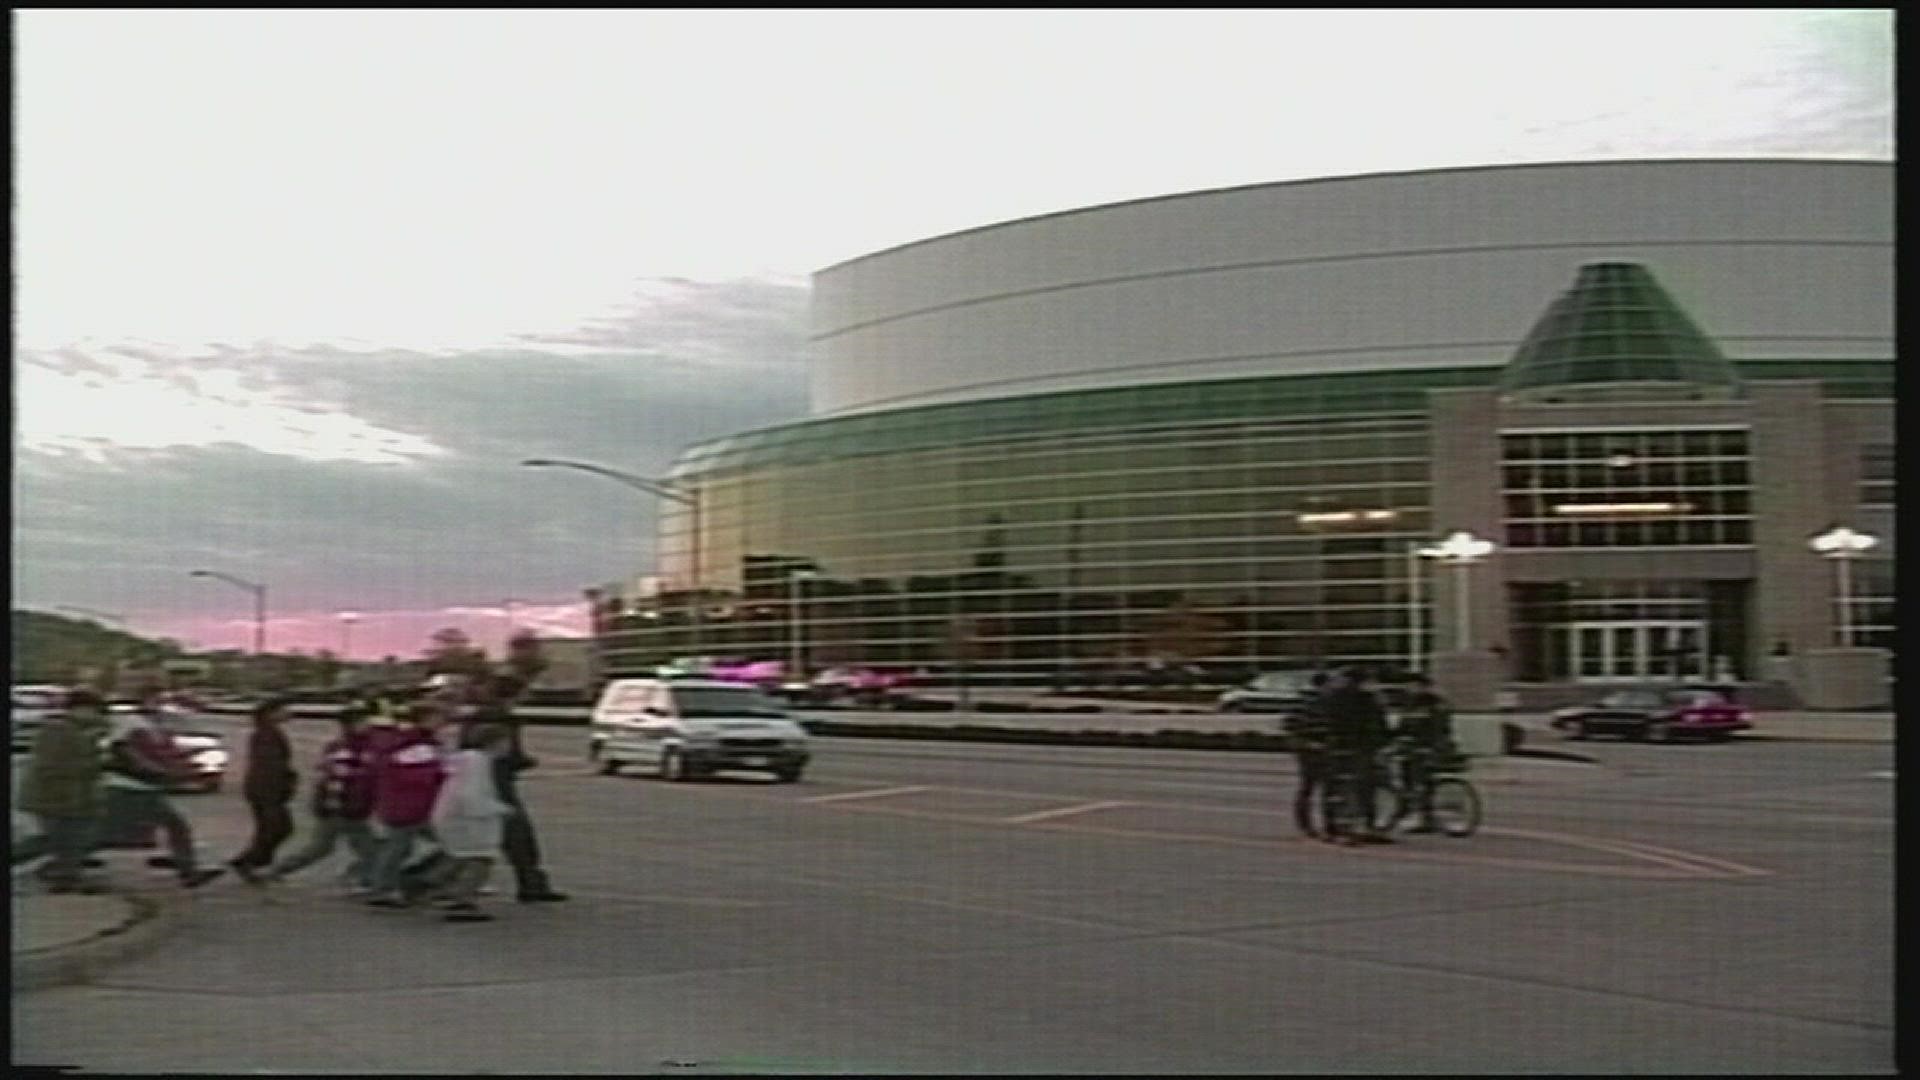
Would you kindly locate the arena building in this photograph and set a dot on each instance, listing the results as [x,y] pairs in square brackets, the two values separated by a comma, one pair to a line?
[1212,432]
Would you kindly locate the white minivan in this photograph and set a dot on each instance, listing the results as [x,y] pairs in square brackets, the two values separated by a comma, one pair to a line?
[683,728]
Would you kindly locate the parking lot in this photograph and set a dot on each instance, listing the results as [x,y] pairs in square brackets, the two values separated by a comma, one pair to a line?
[979,908]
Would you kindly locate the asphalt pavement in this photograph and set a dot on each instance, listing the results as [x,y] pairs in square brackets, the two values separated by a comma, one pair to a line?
[949,907]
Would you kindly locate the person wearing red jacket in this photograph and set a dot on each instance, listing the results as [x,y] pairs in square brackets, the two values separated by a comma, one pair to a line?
[408,768]
[140,759]
[342,804]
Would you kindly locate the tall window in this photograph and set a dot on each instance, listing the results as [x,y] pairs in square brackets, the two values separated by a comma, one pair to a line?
[1609,488]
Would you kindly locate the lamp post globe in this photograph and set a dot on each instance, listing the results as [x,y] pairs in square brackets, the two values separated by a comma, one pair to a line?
[1842,545]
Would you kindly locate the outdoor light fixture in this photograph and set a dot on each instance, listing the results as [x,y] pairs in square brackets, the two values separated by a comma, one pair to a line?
[1843,545]
[347,619]
[1623,508]
[1344,517]
[1462,550]
[663,489]
[259,592]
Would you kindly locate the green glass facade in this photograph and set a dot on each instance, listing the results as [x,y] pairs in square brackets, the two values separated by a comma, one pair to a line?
[1234,525]
[1616,325]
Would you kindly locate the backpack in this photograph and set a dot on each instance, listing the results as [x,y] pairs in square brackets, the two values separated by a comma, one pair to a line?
[118,757]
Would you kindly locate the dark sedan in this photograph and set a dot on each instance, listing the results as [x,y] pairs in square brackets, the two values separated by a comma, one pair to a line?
[1656,715]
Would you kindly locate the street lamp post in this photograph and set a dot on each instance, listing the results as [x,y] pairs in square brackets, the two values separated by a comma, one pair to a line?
[794,621]
[1461,550]
[659,489]
[506,607]
[1413,607]
[259,592]
[1843,545]
[347,619]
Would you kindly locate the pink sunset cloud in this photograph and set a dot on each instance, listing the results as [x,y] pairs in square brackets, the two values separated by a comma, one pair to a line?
[373,634]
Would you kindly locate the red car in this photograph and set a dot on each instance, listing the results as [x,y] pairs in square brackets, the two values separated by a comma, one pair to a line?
[1656,715]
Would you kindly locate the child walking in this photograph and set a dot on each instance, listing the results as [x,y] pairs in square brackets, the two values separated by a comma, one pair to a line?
[469,819]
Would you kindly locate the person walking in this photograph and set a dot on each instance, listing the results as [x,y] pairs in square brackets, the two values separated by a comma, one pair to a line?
[1426,735]
[468,817]
[268,787]
[61,789]
[407,773]
[342,804]
[1307,731]
[141,760]
[519,843]
[1358,724]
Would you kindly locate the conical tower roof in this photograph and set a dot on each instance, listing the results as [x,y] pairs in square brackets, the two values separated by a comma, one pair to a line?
[1615,326]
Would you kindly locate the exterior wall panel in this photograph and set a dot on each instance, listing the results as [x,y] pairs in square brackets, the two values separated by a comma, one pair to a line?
[1776,259]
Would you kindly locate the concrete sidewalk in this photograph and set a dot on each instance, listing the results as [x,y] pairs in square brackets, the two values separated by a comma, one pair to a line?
[1769,726]
[68,938]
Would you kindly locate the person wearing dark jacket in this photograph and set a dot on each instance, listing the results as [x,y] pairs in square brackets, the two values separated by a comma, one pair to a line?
[268,788]
[1307,730]
[342,803]
[519,843]
[1358,724]
[1426,734]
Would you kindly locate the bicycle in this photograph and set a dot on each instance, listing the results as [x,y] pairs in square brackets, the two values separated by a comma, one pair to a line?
[1457,806]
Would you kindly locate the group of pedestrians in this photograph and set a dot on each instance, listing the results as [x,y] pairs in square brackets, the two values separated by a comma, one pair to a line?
[436,778]
[95,776]
[1338,734]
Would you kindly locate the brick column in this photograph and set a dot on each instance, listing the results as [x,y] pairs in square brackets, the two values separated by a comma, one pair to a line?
[1465,444]
[1793,597]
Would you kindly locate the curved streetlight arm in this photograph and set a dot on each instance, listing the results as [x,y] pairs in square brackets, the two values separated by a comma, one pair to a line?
[230,579]
[651,487]
[662,489]
[259,592]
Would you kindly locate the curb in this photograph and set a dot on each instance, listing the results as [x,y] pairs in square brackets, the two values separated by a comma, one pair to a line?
[1831,740]
[147,923]
[1553,755]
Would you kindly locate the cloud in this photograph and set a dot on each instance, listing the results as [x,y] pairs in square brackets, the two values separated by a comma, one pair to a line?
[116,400]
[381,480]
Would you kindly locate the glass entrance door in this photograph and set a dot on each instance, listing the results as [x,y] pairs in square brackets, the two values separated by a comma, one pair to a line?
[1635,651]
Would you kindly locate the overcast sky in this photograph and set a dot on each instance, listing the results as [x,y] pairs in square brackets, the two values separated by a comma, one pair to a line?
[296,290]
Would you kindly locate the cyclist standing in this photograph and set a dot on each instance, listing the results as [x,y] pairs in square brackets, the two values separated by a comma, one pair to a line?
[1359,731]
[1426,737]
[1308,731]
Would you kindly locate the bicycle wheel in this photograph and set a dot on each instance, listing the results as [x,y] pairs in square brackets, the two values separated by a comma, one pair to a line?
[1456,806]
[1389,807]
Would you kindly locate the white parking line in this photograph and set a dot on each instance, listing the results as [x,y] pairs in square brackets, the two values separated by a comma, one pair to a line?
[876,793]
[1884,774]
[1044,815]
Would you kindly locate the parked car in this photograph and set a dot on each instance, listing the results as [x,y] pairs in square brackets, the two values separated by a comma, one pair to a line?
[1274,691]
[864,687]
[683,728]
[1659,715]
[205,749]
